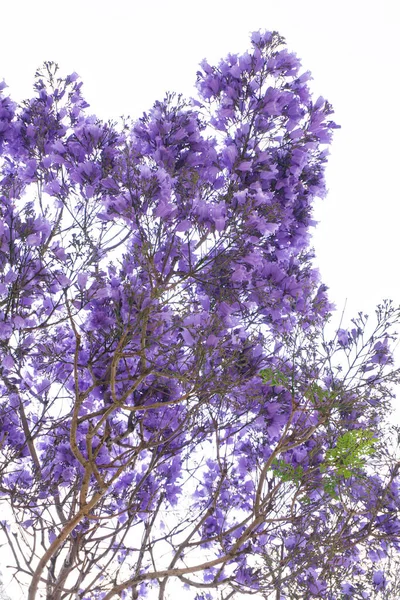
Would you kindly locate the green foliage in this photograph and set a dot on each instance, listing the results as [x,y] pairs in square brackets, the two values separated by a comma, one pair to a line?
[317,394]
[350,453]
[274,377]
[321,398]
[351,450]
[330,484]
[344,459]
[286,471]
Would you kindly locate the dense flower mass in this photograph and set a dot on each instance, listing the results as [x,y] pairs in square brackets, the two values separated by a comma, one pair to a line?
[169,406]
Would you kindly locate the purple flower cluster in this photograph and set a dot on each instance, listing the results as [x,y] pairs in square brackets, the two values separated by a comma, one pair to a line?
[161,349]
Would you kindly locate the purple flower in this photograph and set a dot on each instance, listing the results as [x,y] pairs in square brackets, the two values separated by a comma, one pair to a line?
[161,330]
[343,337]
[379,580]
[347,589]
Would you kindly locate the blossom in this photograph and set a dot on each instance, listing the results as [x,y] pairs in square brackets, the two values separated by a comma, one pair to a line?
[379,580]
[165,385]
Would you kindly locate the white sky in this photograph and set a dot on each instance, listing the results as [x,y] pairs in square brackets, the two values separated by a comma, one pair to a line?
[129,52]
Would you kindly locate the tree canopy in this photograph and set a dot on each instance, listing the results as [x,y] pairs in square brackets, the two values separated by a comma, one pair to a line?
[171,407]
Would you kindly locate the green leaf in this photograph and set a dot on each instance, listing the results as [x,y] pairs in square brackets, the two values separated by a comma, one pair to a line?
[274,377]
[286,471]
[350,453]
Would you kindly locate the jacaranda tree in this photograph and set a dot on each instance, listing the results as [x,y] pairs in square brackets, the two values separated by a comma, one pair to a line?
[172,412]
